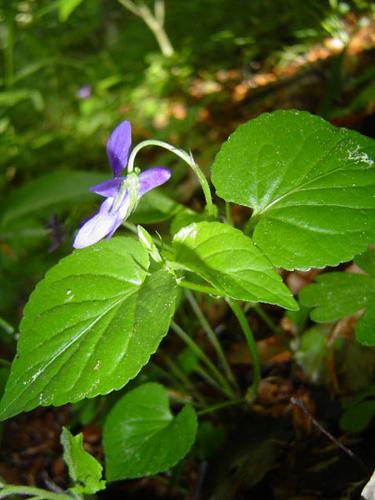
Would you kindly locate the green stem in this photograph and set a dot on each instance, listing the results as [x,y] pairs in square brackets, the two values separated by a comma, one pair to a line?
[269,322]
[186,383]
[212,338]
[228,214]
[158,241]
[187,158]
[203,374]
[35,492]
[197,287]
[251,393]
[132,227]
[220,406]
[7,327]
[162,372]
[251,223]
[271,325]
[221,383]
[154,21]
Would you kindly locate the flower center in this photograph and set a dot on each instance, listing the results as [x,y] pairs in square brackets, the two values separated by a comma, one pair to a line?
[128,195]
[121,194]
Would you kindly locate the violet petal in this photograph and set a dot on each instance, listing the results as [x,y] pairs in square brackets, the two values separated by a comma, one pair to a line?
[152,178]
[118,146]
[116,225]
[84,92]
[109,189]
[98,226]
[122,214]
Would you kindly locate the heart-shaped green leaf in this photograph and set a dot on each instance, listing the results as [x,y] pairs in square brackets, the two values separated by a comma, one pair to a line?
[141,436]
[89,327]
[339,294]
[230,261]
[311,186]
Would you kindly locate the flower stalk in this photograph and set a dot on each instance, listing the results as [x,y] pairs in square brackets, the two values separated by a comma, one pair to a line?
[154,20]
[187,158]
[121,193]
[220,382]
[211,335]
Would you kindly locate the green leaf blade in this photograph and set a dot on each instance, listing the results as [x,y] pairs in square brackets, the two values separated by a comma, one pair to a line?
[338,295]
[141,436]
[365,327]
[229,260]
[357,417]
[84,469]
[45,193]
[310,185]
[66,8]
[89,327]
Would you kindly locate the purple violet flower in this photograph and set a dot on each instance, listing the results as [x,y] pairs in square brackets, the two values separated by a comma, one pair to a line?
[84,92]
[122,193]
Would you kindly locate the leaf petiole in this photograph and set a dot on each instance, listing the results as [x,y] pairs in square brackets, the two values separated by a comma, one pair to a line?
[211,335]
[251,223]
[238,312]
[220,381]
[37,493]
[220,406]
[198,288]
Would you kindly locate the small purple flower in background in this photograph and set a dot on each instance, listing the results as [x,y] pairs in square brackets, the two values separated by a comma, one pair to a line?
[57,233]
[84,92]
[122,193]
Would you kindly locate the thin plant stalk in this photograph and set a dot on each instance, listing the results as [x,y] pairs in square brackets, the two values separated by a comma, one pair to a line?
[268,321]
[187,158]
[249,336]
[221,382]
[205,376]
[154,20]
[168,375]
[186,383]
[271,325]
[228,215]
[39,493]
[211,335]
[7,327]
[220,406]
[251,223]
[198,288]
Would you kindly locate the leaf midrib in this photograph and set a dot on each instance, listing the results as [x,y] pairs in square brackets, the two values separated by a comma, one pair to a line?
[67,346]
[297,189]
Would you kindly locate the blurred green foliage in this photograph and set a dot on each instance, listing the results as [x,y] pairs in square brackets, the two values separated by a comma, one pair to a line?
[45,62]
